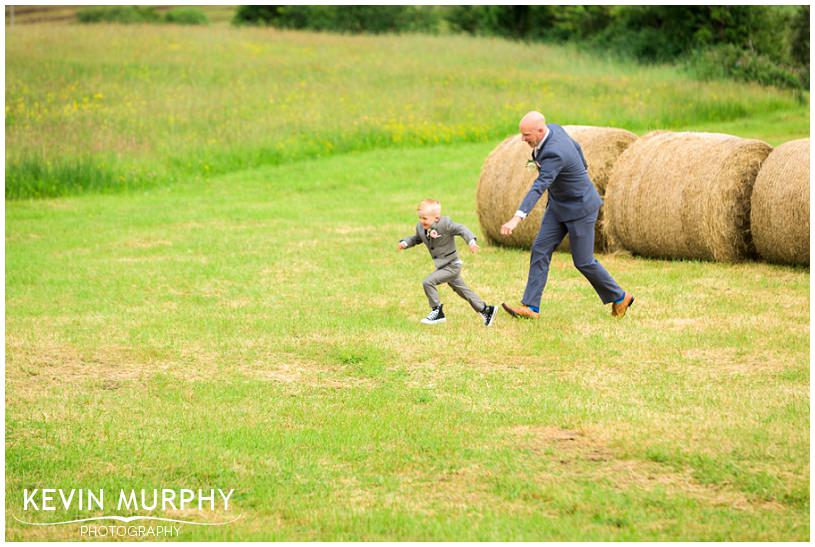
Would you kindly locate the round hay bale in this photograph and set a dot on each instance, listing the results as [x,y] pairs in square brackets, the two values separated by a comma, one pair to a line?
[685,195]
[602,146]
[506,178]
[779,216]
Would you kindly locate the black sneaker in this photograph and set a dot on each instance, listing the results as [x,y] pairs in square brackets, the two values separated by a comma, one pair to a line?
[436,315]
[489,315]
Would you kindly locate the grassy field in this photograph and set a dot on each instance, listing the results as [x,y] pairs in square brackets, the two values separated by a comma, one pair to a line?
[106,107]
[257,330]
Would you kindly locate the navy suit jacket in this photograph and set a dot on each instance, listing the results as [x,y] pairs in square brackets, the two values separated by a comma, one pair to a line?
[562,171]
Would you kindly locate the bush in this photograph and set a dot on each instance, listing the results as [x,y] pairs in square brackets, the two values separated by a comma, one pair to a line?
[574,23]
[186,16]
[355,19]
[646,44]
[141,14]
[560,23]
[730,61]
[665,33]
[255,15]
[800,36]
[800,43]
[646,33]
[118,14]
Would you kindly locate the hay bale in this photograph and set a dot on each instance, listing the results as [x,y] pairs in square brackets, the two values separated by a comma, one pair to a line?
[602,147]
[506,178]
[685,195]
[779,215]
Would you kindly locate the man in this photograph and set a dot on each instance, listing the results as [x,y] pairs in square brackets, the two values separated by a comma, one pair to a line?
[572,209]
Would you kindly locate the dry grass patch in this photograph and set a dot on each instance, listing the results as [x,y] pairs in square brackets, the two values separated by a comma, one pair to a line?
[297,374]
[569,445]
[147,243]
[681,325]
[466,489]
[49,360]
[587,454]
[732,361]
[645,475]
[34,367]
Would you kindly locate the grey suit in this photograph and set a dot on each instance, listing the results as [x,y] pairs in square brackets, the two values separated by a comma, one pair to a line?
[445,257]
[572,209]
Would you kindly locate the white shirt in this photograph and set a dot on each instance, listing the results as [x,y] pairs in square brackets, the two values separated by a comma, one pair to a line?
[540,144]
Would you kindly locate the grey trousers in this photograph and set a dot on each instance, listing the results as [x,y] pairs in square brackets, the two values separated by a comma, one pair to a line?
[581,243]
[450,274]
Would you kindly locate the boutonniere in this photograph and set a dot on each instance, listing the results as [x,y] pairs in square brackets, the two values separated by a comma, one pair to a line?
[530,164]
[434,234]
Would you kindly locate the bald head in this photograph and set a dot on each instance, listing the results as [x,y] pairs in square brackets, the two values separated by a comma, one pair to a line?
[533,128]
[533,119]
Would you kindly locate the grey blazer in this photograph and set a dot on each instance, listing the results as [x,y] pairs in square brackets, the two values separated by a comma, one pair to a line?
[562,171]
[442,248]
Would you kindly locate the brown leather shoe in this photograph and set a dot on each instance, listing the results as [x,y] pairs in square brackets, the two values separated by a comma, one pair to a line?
[618,310]
[521,311]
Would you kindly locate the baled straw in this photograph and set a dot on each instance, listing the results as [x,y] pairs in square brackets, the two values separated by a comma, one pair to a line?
[780,205]
[685,195]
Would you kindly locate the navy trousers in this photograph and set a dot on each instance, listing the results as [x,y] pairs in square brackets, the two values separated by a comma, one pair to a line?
[581,243]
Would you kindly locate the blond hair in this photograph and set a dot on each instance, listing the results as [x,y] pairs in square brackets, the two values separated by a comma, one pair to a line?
[430,205]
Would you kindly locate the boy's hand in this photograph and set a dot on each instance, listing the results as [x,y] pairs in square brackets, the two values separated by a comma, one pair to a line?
[474,247]
[402,245]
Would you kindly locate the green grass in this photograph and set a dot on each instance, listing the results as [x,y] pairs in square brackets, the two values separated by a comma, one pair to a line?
[225,308]
[259,331]
[148,105]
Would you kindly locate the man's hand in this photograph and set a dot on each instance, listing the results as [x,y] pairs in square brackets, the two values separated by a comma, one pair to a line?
[506,229]
[474,247]
[402,245]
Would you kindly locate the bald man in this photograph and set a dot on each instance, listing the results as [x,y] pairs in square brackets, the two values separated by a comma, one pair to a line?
[571,209]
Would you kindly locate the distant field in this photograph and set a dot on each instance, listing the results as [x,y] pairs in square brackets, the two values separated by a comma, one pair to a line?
[259,331]
[105,107]
[63,14]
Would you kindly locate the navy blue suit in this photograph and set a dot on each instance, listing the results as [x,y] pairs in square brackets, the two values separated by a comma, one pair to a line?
[571,209]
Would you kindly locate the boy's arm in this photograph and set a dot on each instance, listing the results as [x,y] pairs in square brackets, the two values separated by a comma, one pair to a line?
[410,241]
[463,231]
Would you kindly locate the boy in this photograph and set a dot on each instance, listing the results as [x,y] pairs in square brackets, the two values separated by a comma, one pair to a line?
[438,234]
